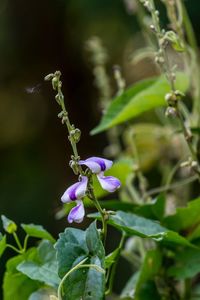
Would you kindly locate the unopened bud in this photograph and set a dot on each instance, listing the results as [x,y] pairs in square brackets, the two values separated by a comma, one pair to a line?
[171,112]
[54,83]
[73,165]
[76,134]
[152,27]
[58,74]
[49,77]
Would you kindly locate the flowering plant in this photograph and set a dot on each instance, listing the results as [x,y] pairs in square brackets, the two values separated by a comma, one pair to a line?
[159,231]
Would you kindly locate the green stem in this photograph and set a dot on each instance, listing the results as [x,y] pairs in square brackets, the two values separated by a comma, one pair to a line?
[172,173]
[17,241]
[14,248]
[103,218]
[114,266]
[25,242]
[187,293]
[78,266]
[67,122]
[188,140]
[172,186]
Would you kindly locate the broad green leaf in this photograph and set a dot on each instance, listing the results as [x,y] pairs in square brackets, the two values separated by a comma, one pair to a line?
[72,247]
[46,273]
[2,244]
[8,225]
[152,210]
[187,264]
[42,294]
[148,141]
[194,233]
[148,270]
[148,292]
[94,243]
[135,225]
[37,231]
[15,284]
[184,217]
[141,97]
[45,269]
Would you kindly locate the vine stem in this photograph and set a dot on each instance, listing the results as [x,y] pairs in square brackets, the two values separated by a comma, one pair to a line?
[114,266]
[103,218]
[172,186]
[165,67]
[78,266]
[74,133]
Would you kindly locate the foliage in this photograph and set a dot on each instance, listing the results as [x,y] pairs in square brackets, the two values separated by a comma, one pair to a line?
[156,215]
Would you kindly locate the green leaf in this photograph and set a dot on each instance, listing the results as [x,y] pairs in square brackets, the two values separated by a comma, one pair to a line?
[8,225]
[148,270]
[153,210]
[139,226]
[2,244]
[150,267]
[184,217]
[15,284]
[94,243]
[46,273]
[37,231]
[42,294]
[128,291]
[72,247]
[46,270]
[194,233]
[141,97]
[187,264]
[148,292]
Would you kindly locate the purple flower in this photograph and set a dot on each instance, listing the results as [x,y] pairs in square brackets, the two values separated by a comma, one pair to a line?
[75,191]
[77,213]
[97,164]
[108,183]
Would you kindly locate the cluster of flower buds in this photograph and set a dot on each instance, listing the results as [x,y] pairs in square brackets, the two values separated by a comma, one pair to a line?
[77,191]
[172,99]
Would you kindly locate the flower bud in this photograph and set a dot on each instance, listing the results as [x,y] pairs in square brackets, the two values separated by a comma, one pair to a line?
[49,77]
[73,165]
[54,83]
[76,134]
[8,225]
[171,112]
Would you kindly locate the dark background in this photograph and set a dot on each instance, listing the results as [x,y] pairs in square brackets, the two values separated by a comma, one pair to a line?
[36,38]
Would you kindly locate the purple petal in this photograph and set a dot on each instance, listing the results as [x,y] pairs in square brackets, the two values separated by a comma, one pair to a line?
[75,191]
[97,164]
[77,213]
[109,183]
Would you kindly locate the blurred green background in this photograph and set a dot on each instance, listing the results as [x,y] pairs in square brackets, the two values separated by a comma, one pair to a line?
[36,38]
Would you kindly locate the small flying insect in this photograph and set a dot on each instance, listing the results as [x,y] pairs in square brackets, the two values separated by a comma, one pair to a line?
[33,89]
